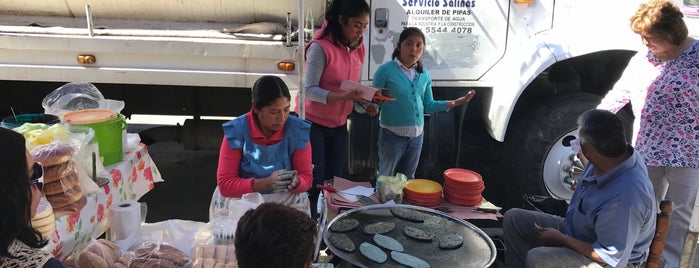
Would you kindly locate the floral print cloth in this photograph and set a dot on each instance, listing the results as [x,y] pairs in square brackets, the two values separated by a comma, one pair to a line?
[130,179]
[666,93]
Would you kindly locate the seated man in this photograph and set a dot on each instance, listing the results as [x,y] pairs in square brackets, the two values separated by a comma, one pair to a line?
[275,235]
[610,221]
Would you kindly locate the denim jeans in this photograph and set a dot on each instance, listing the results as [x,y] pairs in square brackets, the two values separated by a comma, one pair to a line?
[398,154]
[329,149]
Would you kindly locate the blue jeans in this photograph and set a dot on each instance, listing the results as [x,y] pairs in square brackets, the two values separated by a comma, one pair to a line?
[329,149]
[398,154]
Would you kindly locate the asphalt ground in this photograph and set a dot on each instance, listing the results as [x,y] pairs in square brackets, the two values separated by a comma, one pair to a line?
[189,181]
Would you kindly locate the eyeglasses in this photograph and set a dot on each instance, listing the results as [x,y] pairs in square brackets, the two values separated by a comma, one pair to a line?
[37,177]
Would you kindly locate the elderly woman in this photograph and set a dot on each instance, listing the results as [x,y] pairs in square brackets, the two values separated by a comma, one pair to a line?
[662,84]
[22,182]
[266,150]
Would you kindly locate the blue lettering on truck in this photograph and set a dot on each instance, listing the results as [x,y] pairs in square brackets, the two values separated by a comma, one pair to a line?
[420,3]
[436,3]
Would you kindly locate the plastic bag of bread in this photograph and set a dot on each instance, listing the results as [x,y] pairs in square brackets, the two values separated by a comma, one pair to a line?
[60,177]
[159,255]
[99,254]
[80,138]
[210,256]
[44,220]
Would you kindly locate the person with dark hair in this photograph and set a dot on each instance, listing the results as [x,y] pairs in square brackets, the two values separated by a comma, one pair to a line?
[266,150]
[402,120]
[610,220]
[22,184]
[661,84]
[335,54]
[285,236]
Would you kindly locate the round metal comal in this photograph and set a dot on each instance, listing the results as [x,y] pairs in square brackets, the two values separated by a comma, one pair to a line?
[478,250]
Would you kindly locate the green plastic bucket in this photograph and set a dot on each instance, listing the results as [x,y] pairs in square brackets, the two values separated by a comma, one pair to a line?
[109,137]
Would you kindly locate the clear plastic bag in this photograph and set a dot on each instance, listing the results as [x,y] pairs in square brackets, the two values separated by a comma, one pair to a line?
[99,253]
[225,212]
[391,187]
[61,178]
[163,254]
[78,96]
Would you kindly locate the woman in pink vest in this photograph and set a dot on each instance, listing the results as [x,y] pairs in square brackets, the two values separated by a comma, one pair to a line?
[335,54]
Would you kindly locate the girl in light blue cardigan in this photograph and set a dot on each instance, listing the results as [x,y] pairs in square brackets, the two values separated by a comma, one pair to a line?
[402,120]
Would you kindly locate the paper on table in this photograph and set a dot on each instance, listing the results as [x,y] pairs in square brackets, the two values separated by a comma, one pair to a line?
[367,92]
[352,193]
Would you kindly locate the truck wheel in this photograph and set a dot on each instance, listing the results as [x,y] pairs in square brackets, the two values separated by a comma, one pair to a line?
[543,168]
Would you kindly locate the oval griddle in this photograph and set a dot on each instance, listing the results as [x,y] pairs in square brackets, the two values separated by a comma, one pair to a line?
[478,249]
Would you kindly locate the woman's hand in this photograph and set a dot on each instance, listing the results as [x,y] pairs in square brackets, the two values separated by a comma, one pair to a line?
[461,100]
[371,109]
[278,181]
[293,182]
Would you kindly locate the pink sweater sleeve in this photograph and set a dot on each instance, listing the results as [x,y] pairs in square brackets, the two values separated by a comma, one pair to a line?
[301,162]
[230,184]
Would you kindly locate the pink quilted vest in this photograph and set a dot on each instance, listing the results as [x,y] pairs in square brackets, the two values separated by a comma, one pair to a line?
[341,64]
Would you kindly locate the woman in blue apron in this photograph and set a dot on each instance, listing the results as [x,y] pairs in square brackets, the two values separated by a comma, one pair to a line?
[266,150]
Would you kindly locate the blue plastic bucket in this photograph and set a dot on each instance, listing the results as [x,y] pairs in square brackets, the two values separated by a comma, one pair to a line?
[19,120]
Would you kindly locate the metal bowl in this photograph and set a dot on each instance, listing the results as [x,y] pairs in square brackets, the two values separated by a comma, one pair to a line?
[478,249]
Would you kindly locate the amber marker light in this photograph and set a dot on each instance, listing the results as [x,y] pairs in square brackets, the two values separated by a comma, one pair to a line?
[524,1]
[86,59]
[286,66]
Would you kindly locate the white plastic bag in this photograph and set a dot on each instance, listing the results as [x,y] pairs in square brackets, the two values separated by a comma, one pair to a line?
[225,212]
[78,96]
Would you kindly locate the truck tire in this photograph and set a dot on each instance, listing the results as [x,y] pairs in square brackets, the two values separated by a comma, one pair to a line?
[540,161]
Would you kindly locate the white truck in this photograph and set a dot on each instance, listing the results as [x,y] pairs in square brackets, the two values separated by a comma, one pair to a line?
[535,64]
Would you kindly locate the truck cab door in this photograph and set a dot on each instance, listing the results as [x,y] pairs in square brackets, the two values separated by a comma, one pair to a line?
[464,38]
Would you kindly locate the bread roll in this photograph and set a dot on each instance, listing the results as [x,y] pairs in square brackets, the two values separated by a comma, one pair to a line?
[70,208]
[230,255]
[162,251]
[151,263]
[198,263]
[46,230]
[104,252]
[52,154]
[87,259]
[46,220]
[126,259]
[59,186]
[220,253]
[113,247]
[56,172]
[69,196]
[209,263]
[203,251]
[208,251]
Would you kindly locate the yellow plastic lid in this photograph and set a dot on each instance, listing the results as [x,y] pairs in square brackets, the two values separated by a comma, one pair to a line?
[423,186]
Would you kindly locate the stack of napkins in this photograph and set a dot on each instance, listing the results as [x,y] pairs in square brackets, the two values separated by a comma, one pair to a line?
[347,191]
